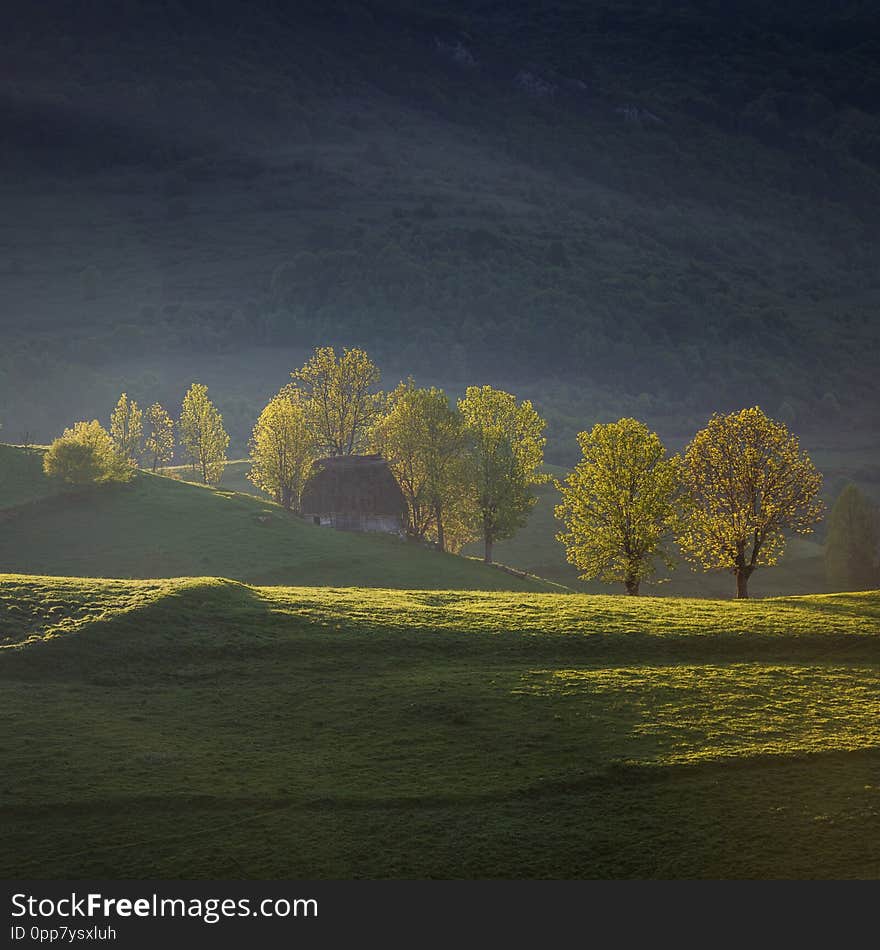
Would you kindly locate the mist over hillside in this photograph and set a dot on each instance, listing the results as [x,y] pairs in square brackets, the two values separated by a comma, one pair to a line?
[612,208]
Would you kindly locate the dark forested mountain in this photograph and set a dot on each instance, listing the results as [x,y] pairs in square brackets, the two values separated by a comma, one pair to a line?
[648,208]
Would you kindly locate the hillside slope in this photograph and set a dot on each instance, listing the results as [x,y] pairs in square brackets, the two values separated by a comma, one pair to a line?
[161,527]
[296,733]
[21,477]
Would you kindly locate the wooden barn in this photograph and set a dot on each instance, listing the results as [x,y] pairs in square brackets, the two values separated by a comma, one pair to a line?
[354,493]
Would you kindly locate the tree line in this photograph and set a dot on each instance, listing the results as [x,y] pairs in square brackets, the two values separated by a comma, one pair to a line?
[468,470]
[465,470]
[88,454]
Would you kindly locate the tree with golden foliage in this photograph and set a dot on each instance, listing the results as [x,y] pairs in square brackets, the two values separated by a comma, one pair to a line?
[159,439]
[502,462]
[421,437]
[341,398]
[86,455]
[619,504]
[283,449]
[202,436]
[747,482]
[127,428]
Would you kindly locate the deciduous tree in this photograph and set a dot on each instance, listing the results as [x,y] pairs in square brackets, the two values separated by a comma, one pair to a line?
[747,482]
[283,448]
[341,398]
[127,428]
[853,542]
[421,437]
[619,504]
[159,439]
[201,434]
[502,462]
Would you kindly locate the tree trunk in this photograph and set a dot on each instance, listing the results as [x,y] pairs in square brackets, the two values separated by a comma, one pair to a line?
[441,537]
[487,557]
[742,583]
[632,586]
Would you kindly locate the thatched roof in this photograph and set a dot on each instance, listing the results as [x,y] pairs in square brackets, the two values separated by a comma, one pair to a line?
[362,484]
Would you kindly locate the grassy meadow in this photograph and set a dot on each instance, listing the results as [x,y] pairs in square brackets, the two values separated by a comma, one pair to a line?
[205,728]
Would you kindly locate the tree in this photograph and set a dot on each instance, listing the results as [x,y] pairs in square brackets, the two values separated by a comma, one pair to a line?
[159,437]
[851,547]
[127,428]
[282,449]
[86,455]
[502,462]
[747,482]
[341,398]
[619,504]
[421,438]
[202,436]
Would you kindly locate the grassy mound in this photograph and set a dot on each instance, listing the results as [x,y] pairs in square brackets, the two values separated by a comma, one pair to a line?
[204,728]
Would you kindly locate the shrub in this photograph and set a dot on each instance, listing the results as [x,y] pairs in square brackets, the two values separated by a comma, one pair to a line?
[86,455]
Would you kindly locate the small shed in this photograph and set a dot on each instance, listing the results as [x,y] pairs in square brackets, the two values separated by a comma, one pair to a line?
[354,493]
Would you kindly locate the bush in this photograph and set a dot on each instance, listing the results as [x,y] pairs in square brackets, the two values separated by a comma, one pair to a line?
[85,455]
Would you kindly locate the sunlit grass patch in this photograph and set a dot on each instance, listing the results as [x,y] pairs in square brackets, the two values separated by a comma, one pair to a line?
[690,713]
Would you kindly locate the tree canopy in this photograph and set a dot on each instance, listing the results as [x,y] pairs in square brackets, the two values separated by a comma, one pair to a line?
[341,398]
[747,482]
[421,437]
[619,504]
[502,462]
[202,436]
[127,428]
[283,448]
[159,437]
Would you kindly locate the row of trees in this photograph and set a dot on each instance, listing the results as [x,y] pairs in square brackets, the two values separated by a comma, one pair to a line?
[727,500]
[466,470]
[88,454]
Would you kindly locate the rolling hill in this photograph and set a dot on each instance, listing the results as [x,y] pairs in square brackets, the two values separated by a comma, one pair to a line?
[158,526]
[216,730]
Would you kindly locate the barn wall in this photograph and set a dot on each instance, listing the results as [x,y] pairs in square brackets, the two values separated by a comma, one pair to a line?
[355,521]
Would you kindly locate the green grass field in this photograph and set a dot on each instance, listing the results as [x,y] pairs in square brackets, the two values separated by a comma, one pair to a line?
[161,527]
[204,728]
